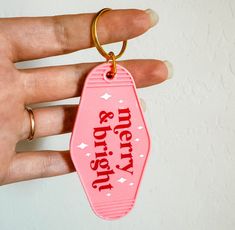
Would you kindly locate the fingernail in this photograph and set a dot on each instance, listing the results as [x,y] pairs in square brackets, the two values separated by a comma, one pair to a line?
[170,69]
[143,104]
[154,18]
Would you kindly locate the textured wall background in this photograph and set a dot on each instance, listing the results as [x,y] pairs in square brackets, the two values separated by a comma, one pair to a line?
[189,179]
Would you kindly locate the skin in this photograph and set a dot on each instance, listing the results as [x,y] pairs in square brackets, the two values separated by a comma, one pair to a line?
[31,38]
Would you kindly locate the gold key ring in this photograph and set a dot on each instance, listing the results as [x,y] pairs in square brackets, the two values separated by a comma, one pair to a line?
[96,40]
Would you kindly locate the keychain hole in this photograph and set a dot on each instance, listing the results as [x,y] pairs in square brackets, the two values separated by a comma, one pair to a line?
[110,75]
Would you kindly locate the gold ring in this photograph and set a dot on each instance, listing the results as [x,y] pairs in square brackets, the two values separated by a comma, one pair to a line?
[32,123]
[96,40]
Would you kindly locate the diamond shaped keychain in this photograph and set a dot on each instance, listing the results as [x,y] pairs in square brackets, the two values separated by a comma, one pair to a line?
[110,143]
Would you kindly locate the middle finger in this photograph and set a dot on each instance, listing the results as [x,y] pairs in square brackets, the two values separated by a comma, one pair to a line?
[58,83]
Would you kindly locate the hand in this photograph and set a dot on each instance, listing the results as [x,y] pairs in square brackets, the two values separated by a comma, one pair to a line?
[31,38]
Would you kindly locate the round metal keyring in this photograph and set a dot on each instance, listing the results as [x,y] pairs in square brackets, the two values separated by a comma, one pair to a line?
[96,40]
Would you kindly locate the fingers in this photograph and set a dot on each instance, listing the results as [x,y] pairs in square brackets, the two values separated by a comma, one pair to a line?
[33,165]
[39,37]
[57,83]
[51,120]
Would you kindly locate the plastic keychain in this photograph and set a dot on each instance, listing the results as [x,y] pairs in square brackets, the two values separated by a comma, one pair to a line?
[110,142]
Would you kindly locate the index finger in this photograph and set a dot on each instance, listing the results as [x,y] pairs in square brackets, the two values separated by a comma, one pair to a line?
[39,37]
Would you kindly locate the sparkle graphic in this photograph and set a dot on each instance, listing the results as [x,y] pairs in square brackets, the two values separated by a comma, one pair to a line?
[88,154]
[120,101]
[141,155]
[106,96]
[122,180]
[82,146]
[140,127]
[131,184]
[137,139]
[108,194]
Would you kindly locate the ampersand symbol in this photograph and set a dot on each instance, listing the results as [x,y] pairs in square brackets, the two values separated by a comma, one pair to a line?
[104,115]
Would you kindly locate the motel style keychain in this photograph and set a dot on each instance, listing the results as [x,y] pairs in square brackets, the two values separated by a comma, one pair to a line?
[110,143]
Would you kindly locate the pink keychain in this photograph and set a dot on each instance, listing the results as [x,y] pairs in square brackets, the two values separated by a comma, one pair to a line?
[110,142]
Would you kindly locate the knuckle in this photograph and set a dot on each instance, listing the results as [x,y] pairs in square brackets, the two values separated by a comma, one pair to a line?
[61,34]
[46,164]
[5,46]
[5,173]
[30,82]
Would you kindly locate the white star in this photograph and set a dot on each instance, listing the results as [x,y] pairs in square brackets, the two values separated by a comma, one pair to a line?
[120,101]
[131,184]
[122,180]
[82,146]
[88,154]
[141,155]
[106,96]
[137,139]
[140,127]
[108,194]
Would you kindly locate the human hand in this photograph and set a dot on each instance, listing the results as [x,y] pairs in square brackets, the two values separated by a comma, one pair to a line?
[31,38]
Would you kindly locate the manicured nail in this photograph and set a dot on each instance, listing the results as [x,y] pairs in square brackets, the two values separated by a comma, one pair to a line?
[154,18]
[170,69]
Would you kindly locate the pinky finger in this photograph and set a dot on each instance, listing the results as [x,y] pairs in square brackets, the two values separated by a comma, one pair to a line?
[40,164]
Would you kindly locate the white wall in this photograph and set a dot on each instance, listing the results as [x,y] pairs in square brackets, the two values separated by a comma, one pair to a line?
[189,179]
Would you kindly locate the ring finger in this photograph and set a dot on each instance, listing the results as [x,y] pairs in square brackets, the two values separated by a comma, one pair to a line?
[50,121]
